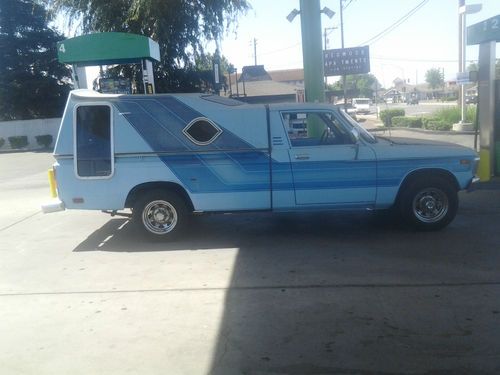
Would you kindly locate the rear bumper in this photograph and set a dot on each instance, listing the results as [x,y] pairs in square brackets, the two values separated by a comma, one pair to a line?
[54,205]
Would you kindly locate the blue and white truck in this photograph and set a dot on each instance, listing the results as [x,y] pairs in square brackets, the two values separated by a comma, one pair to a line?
[168,156]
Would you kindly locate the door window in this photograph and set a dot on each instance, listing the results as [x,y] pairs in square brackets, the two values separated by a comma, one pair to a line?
[315,129]
[93,141]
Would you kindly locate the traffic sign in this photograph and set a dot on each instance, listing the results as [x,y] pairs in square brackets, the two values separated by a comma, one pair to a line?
[485,31]
[345,61]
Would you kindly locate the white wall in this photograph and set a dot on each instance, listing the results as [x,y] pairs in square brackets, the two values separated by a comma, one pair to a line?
[30,128]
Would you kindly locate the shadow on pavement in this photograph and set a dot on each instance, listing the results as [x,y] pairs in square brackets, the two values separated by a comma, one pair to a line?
[349,293]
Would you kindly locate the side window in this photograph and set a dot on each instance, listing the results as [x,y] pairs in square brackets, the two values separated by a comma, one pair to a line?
[93,141]
[202,131]
[315,129]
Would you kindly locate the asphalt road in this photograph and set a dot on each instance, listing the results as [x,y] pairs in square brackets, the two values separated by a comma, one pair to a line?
[244,294]
[421,109]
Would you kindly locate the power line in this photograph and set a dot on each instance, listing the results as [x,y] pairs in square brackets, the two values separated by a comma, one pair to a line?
[279,50]
[417,60]
[395,24]
[349,3]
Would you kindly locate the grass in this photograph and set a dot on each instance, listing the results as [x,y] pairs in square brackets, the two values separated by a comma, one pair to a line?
[452,115]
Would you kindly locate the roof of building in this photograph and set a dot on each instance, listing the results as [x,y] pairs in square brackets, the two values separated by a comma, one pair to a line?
[287,75]
[263,88]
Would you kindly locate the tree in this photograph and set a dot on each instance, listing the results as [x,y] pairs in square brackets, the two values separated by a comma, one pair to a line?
[362,85]
[33,83]
[180,27]
[434,77]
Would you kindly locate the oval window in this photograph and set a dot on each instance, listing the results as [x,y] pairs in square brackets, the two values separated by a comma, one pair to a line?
[202,131]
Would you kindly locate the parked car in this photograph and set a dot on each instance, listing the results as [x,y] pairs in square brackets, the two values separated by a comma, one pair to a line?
[362,105]
[169,156]
[412,100]
[471,99]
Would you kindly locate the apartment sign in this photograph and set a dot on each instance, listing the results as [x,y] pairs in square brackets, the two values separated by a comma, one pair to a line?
[344,61]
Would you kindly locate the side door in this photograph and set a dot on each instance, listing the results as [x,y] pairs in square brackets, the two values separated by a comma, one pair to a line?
[329,165]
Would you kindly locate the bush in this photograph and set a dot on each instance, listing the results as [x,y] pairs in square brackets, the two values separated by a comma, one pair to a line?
[44,140]
[18,141]
[387,114]
[452,115]
[2,142]
[449,99]
[407,122]
[433,124]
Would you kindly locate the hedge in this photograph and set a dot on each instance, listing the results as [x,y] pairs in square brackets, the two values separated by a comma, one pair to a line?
[44,140]
[407,122]
[437,125]
[19,141]
[387,114]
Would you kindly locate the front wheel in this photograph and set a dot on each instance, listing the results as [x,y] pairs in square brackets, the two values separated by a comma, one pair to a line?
[160,214]
[430,203]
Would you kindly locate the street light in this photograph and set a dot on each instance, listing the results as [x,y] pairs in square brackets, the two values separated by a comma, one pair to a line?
[294,13]
[328,12]
[463,10]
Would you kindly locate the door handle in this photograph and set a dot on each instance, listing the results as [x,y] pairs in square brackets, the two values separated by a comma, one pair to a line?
[302,157]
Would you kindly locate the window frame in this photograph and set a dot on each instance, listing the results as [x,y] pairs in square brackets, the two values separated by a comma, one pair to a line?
[196,142]
[111,140]
[296,111]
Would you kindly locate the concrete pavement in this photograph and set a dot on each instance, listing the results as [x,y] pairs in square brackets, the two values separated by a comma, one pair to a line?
[245,294]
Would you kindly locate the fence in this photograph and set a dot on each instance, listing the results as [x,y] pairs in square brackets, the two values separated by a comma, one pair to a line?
[29,128]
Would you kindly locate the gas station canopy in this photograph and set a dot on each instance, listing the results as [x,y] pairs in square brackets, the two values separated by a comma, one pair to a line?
[107,49]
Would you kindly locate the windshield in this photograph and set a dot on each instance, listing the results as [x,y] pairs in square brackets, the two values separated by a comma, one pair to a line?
[363,133]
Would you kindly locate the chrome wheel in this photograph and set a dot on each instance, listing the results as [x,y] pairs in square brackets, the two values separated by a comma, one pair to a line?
[159,217]
[430,205]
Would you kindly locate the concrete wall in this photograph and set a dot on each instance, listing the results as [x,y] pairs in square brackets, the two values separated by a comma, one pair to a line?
[30,128]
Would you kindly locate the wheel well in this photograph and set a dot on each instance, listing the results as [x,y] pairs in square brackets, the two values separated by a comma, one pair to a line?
[136,192]
[423,173]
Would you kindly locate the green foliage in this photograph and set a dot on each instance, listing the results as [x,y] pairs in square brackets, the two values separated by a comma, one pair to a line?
[449,99]
[451,115]
[407,122]
[44,140]
[2,142]
[358,85]
[31,79]
[434,77]
[387,114]
[19,141]
[181,29]
[433,124]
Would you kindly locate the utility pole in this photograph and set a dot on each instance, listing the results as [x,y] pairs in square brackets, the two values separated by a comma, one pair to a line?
[461,50]
[255,51]
[342,45]
[310,19]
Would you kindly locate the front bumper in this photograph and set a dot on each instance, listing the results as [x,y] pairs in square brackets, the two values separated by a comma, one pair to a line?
[471,186]
[54,205]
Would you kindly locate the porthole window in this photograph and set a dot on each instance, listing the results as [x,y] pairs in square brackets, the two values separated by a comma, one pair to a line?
[202,131]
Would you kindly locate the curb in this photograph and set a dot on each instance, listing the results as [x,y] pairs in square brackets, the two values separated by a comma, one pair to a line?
[417,130]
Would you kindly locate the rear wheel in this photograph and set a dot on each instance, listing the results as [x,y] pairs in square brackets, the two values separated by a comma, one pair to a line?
[160,214]
[430,203]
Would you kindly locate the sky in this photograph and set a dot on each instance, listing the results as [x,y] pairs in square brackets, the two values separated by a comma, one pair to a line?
[427,39]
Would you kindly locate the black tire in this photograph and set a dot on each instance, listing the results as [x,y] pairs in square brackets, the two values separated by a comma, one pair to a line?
[160,214]
[428,203]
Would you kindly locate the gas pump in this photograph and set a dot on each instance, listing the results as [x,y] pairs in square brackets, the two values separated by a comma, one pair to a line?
[497,127]
[487,34]
[108,49]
